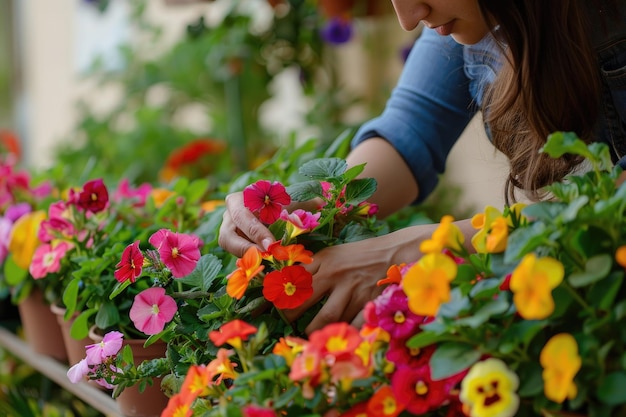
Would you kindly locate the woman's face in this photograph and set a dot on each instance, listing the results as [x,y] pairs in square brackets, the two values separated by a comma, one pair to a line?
[460,18]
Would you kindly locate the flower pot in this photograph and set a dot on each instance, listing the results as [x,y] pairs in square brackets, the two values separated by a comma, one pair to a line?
[152,401]
[41,329]
[75,349]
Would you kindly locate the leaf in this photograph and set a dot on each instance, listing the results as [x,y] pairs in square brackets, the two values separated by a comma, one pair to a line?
[451,358]
[13,274]
[560,143]
[305,191]
[492,308]
[596,268]
[207,269]
[80,326]
[525,240]
[611,389]
[324,168]
[108,315]
[360,190]
[603,294]
[70,295]
[341,145]
[427,338]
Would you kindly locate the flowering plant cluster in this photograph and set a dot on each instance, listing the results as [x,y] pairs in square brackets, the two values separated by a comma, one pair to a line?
[523,320]
[184,289]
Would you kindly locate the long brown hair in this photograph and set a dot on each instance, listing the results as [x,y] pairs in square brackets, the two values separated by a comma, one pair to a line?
[549,82]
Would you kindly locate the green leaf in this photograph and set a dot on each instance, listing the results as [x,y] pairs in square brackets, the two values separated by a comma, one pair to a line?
[426,338]
[611,389]
[603,294]
[324,168]
[360,190]
[305,191]
[80,326]
[108,315]
[353,172]
[492,308]
[70,295]
[451,358]
[119,288]
[207,269]
[596,268]
[12,272]
[561,143]
[525,240]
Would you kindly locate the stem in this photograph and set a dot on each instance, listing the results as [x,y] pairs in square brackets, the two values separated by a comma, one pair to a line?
[580,300]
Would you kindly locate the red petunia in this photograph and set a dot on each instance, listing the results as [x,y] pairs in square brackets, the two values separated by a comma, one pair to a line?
[94,196]
[289,287]
[131,264]
[233,333]
[267,199]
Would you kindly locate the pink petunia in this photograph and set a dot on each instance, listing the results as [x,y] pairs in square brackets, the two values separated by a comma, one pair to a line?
[131,264]
[152,309]
[267,199]
[126,192]
[47,259]
[5,230]
[178,251]
[109,346]
[300,221]
[79,371]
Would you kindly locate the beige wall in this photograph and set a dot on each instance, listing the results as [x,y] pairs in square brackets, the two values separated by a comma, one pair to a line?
[52,86]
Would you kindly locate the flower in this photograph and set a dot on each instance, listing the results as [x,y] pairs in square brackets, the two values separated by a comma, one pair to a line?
[489,389]
[267,199]
[152,309]
[233,333]
[131,264]
[560,361]
[289,287]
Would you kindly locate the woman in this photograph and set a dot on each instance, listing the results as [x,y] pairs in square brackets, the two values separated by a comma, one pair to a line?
[531,66]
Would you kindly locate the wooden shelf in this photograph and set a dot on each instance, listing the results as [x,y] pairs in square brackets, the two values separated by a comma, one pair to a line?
[57,372]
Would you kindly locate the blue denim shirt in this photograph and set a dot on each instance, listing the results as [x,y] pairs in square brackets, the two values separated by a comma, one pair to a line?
[441,88]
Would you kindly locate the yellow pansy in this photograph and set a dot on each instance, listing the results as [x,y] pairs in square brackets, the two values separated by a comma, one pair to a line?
[489,390]
[532,283]
[23,239]
[560,361]
[427,283]
[485,222]
[446,235]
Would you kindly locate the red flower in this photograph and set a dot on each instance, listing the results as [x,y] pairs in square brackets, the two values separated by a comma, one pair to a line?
[289,287]
[93,197]
[267,199]
[129,268]
[256,411]
[384,403]
[414,388]
[232,333]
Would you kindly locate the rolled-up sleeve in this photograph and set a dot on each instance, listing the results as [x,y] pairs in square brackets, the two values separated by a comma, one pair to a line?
[428,109]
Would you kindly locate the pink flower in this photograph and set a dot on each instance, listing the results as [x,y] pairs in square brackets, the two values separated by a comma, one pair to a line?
[78,372]
[94,196]
[267,199]
[394,315]
[126,192]
[257,411]
[152,309]
[5,230]
[300,221]
[178,251]
[47,259]
[110,345]
[131,264]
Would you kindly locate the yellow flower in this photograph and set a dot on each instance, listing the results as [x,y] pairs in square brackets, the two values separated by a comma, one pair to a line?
[159,195]
[493,231]
[560,361]
[211,205]
[427,283]
[23,239]
[532,283]
[488,389]
[446,235]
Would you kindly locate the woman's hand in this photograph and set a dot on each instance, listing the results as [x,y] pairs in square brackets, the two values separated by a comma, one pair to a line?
[348,274]
[241,229]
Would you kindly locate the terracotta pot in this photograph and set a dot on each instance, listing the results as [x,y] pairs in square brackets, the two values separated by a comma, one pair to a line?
[74,348]
[41,329]
[152,401]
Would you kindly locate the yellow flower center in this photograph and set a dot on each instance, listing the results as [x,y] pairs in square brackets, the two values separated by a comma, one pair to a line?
[155,309]
[389,406]
[94,197]
[175,253]
[421,388]
[290,289]
[399,317]
[414,351]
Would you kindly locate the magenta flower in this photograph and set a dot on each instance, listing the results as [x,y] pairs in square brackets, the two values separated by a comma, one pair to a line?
[258,411]
[47,259]
[394,315]
[299,221]
[131,264]
[267,199]
[5,230]
[126,192]
[110,345]
[152,309]
[178,251]
[16,211]
[94,196]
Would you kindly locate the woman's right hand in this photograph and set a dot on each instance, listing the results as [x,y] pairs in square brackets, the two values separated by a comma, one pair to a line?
[241,229]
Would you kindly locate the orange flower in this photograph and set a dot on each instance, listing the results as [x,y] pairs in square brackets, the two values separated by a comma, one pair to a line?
[490,222]
[289,347]
[394,275]
[384,404]
[427,283]
[159,195]
[233,333]
[222,367]
[178,406]
[532,283]
[289,287]
[336,339]
[289,254]
[620,256]
[196,382]
[247,268]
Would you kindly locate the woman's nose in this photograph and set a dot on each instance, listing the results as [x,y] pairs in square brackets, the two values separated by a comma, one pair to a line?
[410,13]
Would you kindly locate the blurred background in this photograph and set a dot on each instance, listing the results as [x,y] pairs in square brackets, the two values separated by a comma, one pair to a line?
[154,89]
